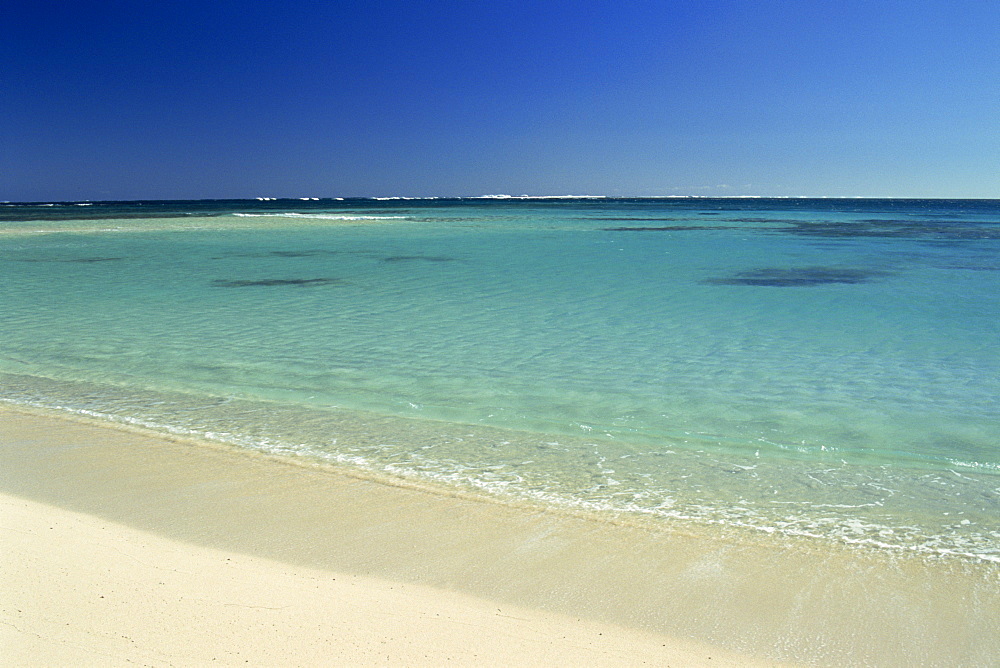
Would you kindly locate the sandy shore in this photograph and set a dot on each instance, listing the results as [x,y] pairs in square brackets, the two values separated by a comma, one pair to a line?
[121,546]
[78,590]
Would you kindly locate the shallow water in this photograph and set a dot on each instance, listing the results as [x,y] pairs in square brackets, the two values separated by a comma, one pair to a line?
[763,595]
[823,368]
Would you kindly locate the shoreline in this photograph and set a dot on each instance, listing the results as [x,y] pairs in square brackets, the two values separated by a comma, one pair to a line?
[769,600]
[80,590]
[952,518]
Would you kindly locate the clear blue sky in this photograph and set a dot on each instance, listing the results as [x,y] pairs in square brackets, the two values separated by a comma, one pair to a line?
[126,100]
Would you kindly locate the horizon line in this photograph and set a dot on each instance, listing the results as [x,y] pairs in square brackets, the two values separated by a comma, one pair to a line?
[485,197]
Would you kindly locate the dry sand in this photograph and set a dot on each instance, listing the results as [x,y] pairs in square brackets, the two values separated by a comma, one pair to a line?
[78,590]
[81,589]
[122,547]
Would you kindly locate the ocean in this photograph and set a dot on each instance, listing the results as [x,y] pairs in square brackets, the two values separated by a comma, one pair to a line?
[822,369]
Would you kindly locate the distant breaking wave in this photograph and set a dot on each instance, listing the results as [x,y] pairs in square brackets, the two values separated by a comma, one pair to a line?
[538,197]
[323,216]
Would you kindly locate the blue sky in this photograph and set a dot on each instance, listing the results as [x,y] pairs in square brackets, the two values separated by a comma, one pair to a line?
[128,100]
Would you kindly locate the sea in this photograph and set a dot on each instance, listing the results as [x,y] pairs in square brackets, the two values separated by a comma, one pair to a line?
[822,369]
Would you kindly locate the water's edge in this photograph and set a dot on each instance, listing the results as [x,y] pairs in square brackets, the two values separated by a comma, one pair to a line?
[769,596]
[388,449]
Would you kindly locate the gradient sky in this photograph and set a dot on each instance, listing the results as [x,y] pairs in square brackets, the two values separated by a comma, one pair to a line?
[130,100]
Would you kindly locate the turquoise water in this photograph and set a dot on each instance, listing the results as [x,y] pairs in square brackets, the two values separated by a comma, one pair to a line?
[824,368]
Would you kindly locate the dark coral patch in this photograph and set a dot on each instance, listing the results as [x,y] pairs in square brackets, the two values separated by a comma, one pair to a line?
[973,267]
[270,282]
[417,258]
[80,260]
[304,253]
[667,228]
[798,277]
[278,253]
[899,229]
[638,219]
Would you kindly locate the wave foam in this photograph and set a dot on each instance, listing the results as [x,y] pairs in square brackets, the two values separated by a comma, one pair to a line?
[321,216]
[385,199]
[538,197]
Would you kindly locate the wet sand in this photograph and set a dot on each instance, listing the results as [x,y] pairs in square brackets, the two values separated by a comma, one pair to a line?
[269,562]
[78,590]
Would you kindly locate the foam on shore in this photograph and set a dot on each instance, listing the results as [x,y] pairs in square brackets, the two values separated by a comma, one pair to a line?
[769,597]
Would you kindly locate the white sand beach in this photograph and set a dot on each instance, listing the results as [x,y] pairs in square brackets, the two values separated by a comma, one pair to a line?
[77,589]
[122,546]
